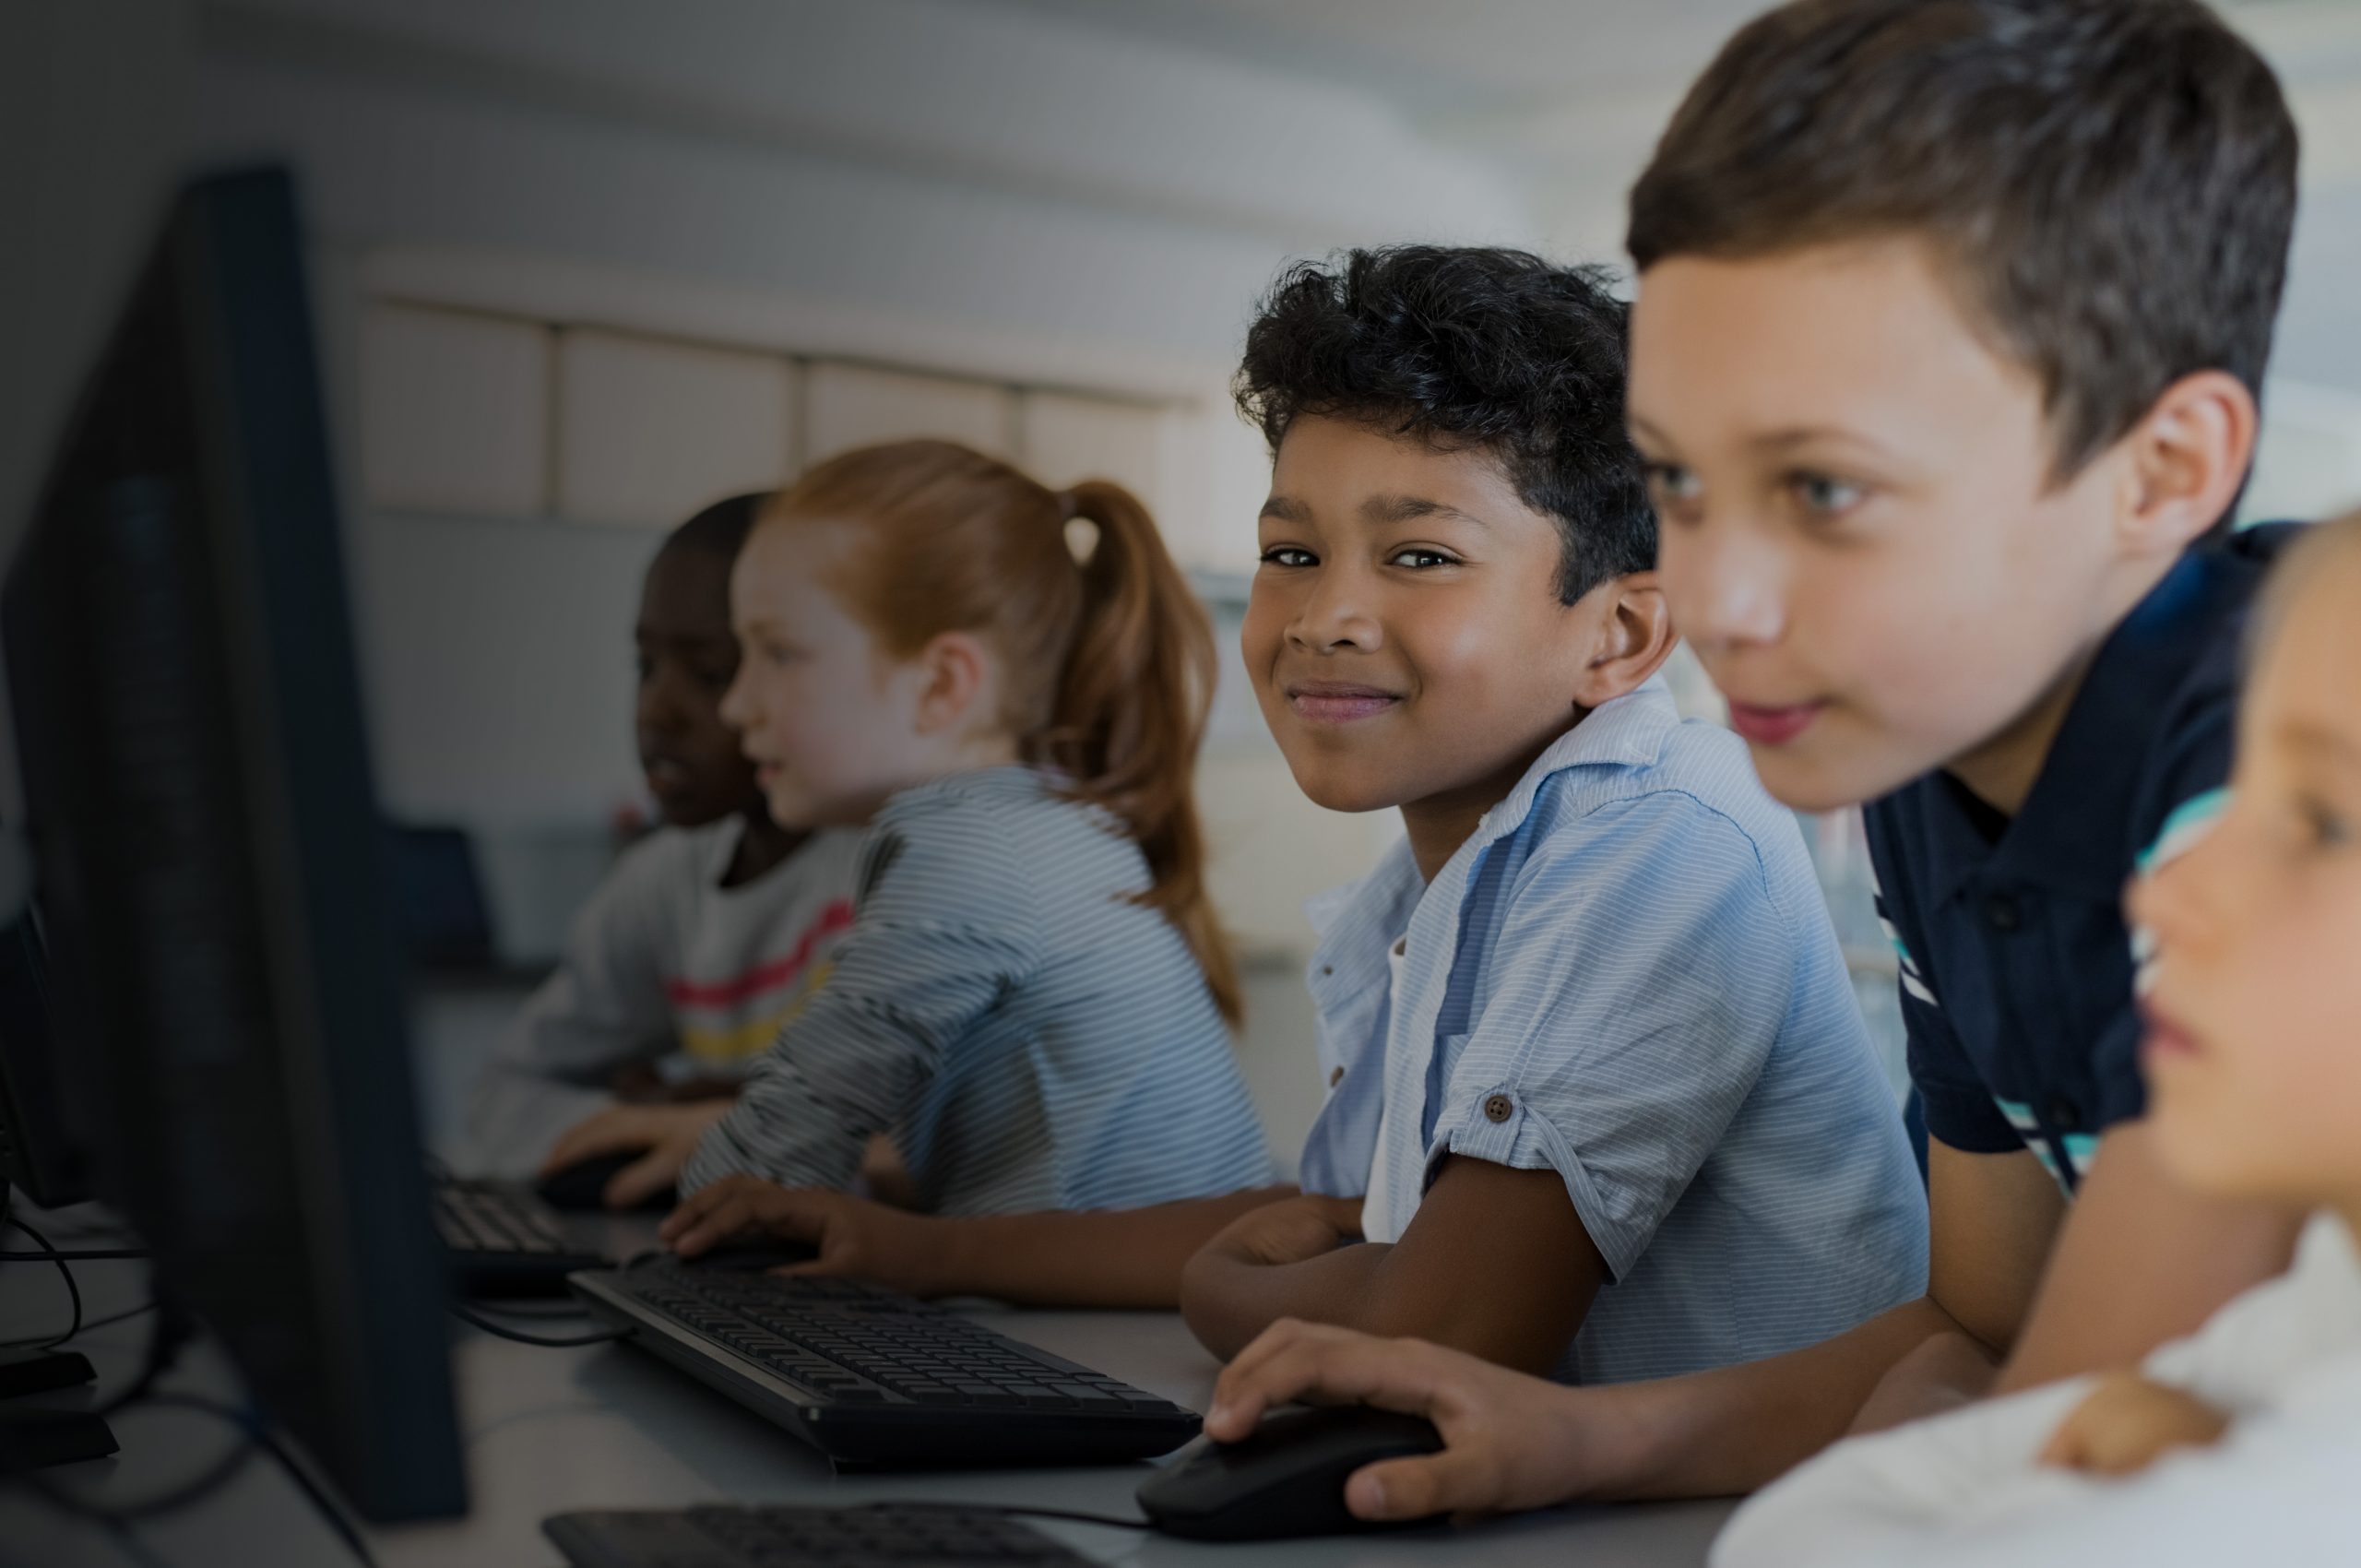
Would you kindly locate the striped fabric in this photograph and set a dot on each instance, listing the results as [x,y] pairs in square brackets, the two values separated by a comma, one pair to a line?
[1628,976]
[1030,1036]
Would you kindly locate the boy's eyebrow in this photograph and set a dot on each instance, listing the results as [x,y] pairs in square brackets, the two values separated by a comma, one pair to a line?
[1806,434]
[1410,508]
[2319,739]
[1287,509]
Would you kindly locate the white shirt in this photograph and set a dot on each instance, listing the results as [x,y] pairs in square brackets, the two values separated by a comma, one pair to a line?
[1962,1490]
[1379,1222]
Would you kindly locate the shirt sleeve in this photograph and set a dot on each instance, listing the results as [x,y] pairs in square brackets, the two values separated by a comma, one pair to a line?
[1963,1491]
[1643,973]
[942,935]
[604,1008]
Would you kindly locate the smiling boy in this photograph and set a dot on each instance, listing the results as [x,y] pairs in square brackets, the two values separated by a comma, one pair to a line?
[1951,321]
[1589,1037]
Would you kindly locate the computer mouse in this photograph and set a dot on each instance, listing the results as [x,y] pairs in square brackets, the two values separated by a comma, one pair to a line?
[1287,1479]
[583,1184]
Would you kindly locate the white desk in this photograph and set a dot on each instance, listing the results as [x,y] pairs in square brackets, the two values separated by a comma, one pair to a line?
[608,1427]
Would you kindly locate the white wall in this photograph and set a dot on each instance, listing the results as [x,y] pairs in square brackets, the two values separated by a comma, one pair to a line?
[991,173]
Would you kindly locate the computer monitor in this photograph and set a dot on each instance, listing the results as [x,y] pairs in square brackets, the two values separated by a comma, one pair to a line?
[210,864]
[40,1155]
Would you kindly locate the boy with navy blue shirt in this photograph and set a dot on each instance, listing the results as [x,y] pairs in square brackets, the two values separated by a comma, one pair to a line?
[2016,969]
[1951,321]
[1591,1041]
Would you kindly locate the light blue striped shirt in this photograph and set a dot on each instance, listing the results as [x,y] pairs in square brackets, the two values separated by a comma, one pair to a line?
[1627,975]
[1031,1035]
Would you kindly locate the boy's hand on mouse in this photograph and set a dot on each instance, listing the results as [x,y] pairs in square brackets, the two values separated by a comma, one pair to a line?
[2126,1422]
[1294,1229]
[1509,1442]
[855,1236]
[663,1136]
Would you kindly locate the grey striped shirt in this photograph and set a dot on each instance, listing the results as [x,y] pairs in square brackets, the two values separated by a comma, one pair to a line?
[1031,1037]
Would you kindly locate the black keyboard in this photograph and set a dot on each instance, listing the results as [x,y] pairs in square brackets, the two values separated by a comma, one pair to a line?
[884,1535]
[504,1241]
[872,1377]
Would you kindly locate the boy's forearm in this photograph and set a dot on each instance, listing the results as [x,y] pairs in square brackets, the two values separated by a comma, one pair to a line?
[1730,1432]
[1124,1259]
[1227,1299]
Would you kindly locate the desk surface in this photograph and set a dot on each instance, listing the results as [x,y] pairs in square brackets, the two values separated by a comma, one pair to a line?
[608,1427]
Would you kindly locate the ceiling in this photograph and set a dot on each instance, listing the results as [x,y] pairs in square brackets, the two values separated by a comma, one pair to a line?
[1567,97]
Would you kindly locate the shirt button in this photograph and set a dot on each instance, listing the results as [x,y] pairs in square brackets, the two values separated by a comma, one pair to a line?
[1336,1077]
[1327,969]
[2002,912]
[1498,1107]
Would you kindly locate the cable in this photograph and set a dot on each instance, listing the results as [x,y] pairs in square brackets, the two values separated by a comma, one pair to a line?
[73,1291]
[501,1330]
[255,1436]
[47,1343]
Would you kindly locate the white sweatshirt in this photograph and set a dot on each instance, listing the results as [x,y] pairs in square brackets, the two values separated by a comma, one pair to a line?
[1961,1489]
[663,963]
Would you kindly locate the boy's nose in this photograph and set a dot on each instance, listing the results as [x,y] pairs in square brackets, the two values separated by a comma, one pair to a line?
[1724,593]
[1332,616]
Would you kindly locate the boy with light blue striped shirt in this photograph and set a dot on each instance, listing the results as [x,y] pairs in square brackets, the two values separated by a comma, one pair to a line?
[1601,1101]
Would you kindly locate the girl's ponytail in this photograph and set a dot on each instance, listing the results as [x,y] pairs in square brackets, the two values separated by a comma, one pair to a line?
[1109,658]
[1130,706]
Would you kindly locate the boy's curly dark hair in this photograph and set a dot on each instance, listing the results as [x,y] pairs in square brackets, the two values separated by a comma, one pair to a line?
[1466,347]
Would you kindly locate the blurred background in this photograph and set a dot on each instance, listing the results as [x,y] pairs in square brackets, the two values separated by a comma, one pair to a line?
[584,265]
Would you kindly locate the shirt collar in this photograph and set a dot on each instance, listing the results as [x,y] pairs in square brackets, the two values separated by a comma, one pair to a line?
[1629,732]
[2071,833]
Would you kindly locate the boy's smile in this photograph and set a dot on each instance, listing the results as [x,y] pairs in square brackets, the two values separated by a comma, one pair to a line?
[1404,634]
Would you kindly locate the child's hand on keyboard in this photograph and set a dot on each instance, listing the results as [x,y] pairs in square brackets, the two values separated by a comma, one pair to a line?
[2126,1422]
[663,1136]
[856,1237]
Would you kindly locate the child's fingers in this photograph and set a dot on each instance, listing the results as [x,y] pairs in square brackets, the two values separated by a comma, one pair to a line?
[1454,1481]
[1322,1365]
[719,1220]
[610,1132]
[642,1180]
[2064,1451]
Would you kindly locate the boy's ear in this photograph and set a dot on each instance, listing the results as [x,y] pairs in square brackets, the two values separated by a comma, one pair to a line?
[955,670]
[1633,638]
[2188,455]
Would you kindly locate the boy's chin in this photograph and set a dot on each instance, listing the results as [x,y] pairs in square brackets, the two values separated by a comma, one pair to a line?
[1816,779]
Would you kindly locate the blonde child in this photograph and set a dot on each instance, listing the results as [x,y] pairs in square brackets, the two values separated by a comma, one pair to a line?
[1005,686]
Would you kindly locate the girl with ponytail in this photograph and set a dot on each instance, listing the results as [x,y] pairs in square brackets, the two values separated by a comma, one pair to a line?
[1005,686]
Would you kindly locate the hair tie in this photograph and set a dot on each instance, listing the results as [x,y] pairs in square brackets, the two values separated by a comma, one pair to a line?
[1081,533]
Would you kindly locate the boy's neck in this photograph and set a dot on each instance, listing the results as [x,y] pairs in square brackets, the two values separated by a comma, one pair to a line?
[761,845]
[2004,770]
[1438,824]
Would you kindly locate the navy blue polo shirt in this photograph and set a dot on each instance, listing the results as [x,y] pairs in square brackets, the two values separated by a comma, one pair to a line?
[2016,964]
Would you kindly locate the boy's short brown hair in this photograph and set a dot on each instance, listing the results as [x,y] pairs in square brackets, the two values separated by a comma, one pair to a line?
[2110,183]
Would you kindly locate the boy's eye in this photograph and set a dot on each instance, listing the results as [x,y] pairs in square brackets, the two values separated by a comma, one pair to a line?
[2324,826]
[1418,557]
[1669,483]
[1826,495]
[1288,555]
